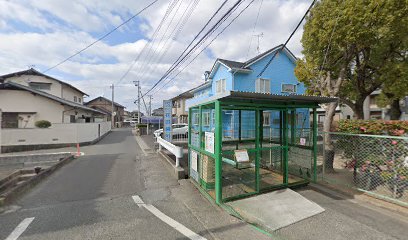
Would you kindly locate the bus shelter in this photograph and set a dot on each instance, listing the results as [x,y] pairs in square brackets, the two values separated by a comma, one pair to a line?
[245,143]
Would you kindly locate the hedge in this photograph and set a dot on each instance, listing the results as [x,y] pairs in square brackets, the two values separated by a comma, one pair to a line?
[374,127]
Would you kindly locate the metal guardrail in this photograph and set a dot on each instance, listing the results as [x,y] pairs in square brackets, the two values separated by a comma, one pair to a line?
[175,150]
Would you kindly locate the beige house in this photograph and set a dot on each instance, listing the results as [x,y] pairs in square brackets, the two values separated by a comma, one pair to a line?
[29,96]
[105,105]
[179,107]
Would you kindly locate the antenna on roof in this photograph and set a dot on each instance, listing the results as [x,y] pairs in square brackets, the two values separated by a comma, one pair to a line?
[260,35]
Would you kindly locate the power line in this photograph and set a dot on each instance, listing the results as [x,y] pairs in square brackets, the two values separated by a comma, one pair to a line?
[207,45]
[253,30]
[153,49]
[208,33]
[202,29]
[169,9]
[173,35]
[284,45]
[101,38]
[182,58]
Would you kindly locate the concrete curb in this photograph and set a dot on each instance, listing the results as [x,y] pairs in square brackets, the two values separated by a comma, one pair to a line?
[360,198]
[20,189]
[177,171]
[30,159]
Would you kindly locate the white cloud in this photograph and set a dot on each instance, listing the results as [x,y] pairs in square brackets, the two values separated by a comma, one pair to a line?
[67,26]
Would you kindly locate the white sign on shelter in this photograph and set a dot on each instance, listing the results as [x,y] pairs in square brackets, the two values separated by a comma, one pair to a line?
[209,142]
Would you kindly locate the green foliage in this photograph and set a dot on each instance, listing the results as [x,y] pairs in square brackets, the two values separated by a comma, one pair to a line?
[374,127]
[43,124]
[141,125]
[369,38]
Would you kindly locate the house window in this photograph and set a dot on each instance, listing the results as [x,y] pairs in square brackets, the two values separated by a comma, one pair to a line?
[220,86]
[266,118]
[75,99]
[79,100]
[9,120]
[289,88]
[263,85]
[40,85]
[206,119]
[321,119]
[72,118]
[196,119]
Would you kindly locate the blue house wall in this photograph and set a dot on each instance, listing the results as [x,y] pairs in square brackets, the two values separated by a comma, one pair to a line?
[280,71]
[222,73]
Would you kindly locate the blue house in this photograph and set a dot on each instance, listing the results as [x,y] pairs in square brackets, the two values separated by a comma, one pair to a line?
[226,75]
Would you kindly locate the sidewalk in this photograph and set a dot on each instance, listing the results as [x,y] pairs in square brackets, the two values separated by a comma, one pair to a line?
[343,218]
[184,203]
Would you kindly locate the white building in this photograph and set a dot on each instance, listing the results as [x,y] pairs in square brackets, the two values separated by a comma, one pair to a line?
[28,96]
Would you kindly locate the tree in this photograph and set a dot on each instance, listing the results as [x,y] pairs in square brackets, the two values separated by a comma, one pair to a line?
[347,47]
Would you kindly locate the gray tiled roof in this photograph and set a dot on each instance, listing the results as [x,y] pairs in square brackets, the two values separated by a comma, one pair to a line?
[116,104]
[232,64]
[32,71]
[13,85]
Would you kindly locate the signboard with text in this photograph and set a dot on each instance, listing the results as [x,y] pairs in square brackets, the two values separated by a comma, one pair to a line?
[167,129]
[241,156]
[209,142]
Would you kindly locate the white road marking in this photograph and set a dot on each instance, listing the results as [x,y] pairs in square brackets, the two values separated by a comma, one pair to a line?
[138,200]
[20,229]
[169,221]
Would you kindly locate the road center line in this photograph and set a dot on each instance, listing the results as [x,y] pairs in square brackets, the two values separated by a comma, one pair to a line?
[169,221]
[20,229]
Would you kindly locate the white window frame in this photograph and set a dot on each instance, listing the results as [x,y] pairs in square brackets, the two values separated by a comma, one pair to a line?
[196,121]
[266,115]
[206,119]
[263,85]
[40,86]
[220,86]
[294,88]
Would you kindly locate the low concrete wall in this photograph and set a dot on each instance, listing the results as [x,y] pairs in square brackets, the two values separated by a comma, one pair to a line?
[7,160]
[58,135]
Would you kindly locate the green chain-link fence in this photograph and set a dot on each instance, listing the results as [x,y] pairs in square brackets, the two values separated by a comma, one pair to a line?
[374,164]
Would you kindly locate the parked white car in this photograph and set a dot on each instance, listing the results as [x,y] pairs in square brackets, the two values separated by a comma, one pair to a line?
[180,129]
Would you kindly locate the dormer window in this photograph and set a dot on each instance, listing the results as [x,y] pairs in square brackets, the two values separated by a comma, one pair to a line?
[40,86]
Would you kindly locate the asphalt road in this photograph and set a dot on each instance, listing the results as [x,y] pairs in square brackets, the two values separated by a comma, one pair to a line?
[91,198]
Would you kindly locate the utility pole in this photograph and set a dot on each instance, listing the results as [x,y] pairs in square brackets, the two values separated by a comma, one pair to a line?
[137,84]
[150,105]
[113,105]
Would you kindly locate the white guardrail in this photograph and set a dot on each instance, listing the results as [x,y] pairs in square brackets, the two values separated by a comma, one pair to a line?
[175,150]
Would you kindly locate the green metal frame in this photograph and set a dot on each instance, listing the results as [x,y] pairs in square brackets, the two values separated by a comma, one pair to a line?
[239,105]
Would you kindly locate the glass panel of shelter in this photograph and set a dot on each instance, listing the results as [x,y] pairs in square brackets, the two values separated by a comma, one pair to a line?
[239,175]
[278,143]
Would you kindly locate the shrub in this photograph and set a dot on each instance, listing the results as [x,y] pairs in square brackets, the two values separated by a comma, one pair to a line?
[43,124]
[374,127]
[141,125]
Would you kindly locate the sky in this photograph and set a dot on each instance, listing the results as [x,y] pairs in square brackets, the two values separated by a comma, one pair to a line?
[42,33]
